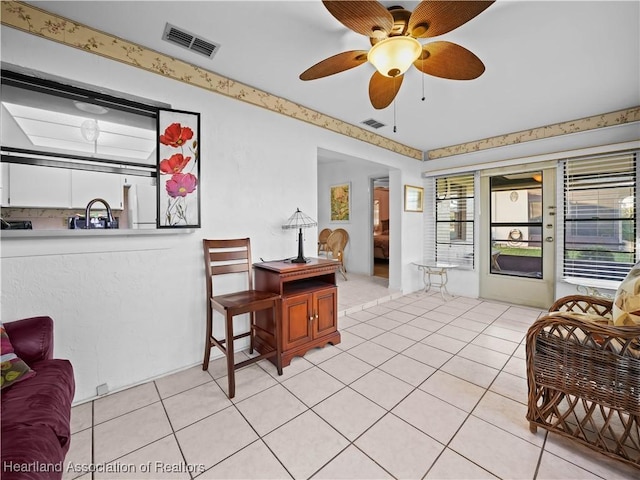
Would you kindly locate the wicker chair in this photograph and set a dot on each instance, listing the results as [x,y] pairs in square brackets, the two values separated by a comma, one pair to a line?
[584,377]
[336,244]
[322,240]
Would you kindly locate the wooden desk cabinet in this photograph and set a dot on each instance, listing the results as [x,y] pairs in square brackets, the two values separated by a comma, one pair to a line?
[309,305]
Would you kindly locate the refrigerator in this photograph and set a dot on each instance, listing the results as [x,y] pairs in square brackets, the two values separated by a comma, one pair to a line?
[142,208]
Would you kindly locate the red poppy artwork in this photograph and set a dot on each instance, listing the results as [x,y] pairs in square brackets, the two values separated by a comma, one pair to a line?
[176,135]
[178,169]
[174,164]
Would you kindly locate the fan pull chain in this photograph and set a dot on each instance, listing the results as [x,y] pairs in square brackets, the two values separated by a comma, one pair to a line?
[423,97]
[395,79]
[394,115]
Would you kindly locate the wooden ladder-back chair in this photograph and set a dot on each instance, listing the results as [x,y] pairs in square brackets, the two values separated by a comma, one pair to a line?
[336,244]
[322,240]
[234,257]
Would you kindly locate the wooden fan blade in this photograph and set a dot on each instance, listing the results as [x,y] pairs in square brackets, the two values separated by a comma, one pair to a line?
[382,90]
[432,18]
[362,17]
[449,60]
[336,64]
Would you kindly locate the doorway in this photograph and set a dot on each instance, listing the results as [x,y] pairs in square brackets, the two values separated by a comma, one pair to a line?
[380,222]
[517,263]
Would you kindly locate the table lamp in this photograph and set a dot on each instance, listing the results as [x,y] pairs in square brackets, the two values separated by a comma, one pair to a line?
[299,220]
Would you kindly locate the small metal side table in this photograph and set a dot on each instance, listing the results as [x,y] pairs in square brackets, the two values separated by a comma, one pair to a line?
[591,287]
[435,275]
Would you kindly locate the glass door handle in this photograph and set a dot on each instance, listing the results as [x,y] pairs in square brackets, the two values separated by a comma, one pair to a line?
[548,239]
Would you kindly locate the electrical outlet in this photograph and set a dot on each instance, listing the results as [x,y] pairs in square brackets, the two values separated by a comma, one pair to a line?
[102,389]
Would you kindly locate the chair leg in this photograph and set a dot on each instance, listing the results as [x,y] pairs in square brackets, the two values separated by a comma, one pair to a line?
[277,308]
[230,359]
[343,271]
[342,268]
[252,331]
[207,343]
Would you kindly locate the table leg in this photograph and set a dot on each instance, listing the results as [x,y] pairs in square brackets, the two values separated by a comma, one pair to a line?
[426,277]
[592,292]
[443,283]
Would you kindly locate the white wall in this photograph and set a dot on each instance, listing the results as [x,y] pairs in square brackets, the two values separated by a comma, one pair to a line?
[127,309]
[412,235]
[405,236]
[336,170]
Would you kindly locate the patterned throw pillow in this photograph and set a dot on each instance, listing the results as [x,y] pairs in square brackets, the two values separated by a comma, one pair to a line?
[626,303]
[12,368]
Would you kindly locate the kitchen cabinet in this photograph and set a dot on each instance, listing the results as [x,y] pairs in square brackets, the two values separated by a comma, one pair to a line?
[38,187]
[309,305]
[87,185]
[4,184]
[35,186]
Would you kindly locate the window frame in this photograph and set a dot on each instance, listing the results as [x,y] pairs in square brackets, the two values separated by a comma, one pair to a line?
[597,172]
[460,222]
[523,232]
[42,157]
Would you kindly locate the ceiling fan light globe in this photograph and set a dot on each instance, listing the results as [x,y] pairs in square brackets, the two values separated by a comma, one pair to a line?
[90,130]
[393,56]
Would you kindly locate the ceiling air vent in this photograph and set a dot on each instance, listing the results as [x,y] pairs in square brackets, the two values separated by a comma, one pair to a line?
[181,37]
[373,123]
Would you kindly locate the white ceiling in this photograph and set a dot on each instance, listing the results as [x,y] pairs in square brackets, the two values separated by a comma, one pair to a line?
[546,61]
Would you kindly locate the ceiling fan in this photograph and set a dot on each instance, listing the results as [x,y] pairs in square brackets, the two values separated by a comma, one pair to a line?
[393,33]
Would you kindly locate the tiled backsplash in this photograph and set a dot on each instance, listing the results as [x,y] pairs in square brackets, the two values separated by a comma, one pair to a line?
[54,219]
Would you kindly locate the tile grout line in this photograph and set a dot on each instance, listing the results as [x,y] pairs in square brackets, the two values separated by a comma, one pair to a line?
[387,410]
[173,431]
[470,413]
[374,368]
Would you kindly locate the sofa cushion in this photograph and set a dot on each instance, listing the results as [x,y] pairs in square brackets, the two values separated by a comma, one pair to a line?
[12,368]
[31,452]
[32,338]
[43,401]
[626,303]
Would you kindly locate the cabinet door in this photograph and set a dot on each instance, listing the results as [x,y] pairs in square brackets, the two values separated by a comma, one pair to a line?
[87,185]
[326,319]
[36,186]
[297,320]
[4,182]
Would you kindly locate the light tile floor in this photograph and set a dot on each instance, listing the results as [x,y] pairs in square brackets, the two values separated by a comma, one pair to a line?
[418,388]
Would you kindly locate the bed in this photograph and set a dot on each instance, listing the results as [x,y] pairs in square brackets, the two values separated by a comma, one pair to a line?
[381,243]
[381,246]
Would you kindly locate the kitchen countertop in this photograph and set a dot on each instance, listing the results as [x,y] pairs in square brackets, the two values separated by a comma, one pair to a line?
[82,233]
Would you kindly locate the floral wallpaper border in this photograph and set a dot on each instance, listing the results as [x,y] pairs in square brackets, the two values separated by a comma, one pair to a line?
[59,29]
[619,117]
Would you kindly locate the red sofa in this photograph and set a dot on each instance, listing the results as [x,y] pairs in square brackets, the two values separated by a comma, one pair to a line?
[36,430]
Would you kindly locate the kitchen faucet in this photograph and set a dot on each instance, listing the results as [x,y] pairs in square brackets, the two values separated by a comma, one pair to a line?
[87,212]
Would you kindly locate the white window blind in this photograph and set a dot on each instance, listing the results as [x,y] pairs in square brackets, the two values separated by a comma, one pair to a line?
[600,216]
[454,215]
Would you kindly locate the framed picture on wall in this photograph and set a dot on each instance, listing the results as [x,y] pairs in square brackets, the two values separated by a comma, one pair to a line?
[341,202]
[413,198]
[178,169]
